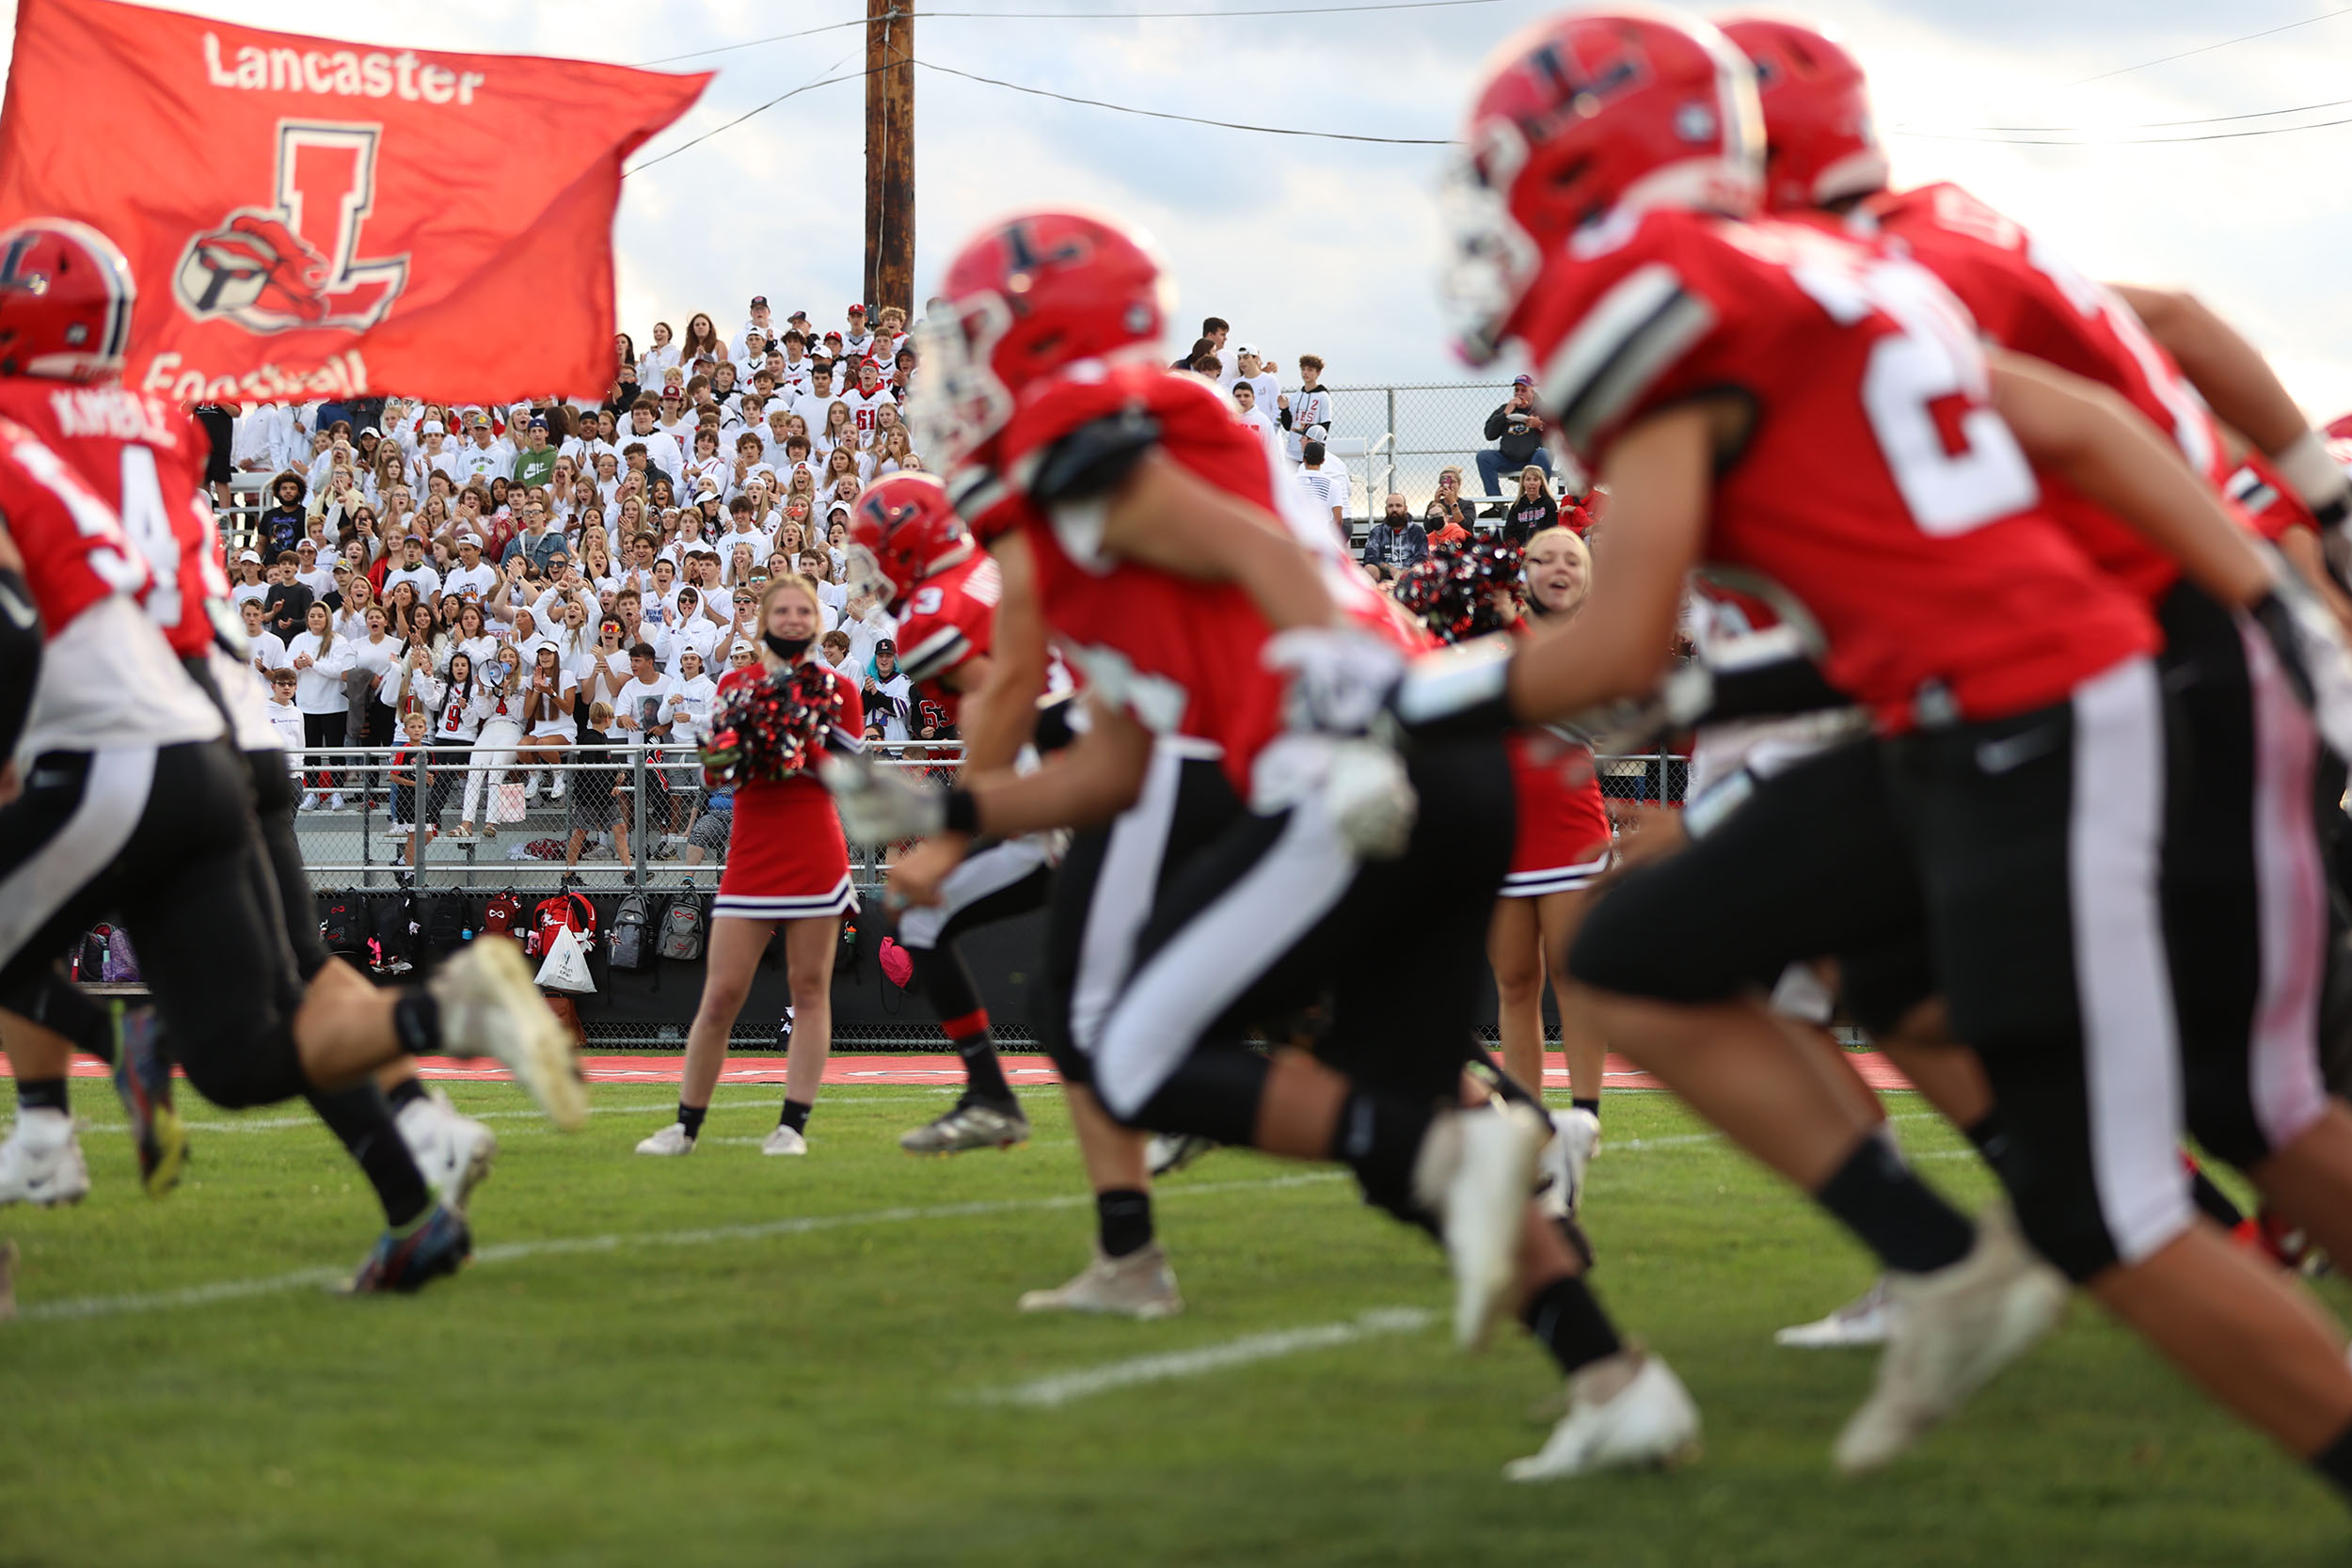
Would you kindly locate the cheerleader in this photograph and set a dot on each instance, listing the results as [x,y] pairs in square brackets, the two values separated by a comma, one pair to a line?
[788,866]
[1562,848]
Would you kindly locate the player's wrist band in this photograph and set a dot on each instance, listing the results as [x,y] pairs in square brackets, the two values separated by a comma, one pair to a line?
[1463,691]
[963,812]
[2304,463]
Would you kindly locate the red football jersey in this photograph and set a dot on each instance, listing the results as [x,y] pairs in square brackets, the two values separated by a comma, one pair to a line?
[74,552]
[950,620]
[1876,484]
[2028,299]
[144,460]
[2268,502]
[1183,656]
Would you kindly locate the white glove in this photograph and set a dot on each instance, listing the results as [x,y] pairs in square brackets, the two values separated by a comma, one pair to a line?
[1361,783]
[880,805]
[1340,676]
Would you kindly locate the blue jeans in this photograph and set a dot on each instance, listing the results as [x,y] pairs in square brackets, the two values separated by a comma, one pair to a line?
[1490,470]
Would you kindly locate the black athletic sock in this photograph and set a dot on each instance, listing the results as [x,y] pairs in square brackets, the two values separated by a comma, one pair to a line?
[1593,1106]
[42,1094]
[1123,1221]
[1894,1213]
[1379,1137]
[362,1121]
[691,1118]
[1571,1325]
[983,1074]
[2211,1200]
[1991,1140]
[795,1115]
[2335,1462]
[416,1021]
[408,1091]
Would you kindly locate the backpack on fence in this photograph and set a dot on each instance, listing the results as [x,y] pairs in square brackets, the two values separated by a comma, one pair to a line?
[503,914]
[552,914]
[682,929]
[629,943]
[90,962]
[123,965]
[444,922]
[344,924]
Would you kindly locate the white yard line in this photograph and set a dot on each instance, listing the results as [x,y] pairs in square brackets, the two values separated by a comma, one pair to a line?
[272,1124]
[231,1290]
[1062,1388]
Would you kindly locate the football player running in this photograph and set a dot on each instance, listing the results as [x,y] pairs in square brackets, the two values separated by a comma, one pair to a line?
[1777,399]
[1258,842]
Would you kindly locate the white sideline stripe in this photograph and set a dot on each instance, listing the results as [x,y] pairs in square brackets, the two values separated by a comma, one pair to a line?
[268,1124]
[1062,1388]
[556,1247]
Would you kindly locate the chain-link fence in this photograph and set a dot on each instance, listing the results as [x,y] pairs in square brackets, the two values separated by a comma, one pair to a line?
[1400,438]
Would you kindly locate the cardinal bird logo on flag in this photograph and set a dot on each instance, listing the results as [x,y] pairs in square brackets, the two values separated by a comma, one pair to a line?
[292,265]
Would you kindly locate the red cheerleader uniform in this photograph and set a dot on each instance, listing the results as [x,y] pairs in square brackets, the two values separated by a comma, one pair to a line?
[786,859]
[1563,822]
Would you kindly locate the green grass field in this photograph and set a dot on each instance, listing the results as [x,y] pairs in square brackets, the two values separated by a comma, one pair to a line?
[733,1359]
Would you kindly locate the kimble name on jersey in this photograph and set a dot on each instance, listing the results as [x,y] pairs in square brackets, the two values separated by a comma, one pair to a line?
[341,73]
[116,412]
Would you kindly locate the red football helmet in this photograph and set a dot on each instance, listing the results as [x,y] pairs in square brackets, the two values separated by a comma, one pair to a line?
[1033,293]
[902,530]
[1581,124]
[65,302]
[1820,144]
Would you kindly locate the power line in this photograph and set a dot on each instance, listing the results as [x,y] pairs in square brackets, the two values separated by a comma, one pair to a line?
[2142,125]
[2123,141]
[2207,48]
[804,86]
[1080,16]
[1188,119]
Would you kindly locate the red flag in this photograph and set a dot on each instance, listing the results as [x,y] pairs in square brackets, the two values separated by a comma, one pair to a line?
[307,217]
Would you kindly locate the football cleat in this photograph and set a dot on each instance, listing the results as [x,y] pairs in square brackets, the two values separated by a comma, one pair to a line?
[142,1077]
[453,1152]
[490,1007]
[435,1244]
[1140,1285]
[1169,1153]
[1951,1332]
[1646,1420]
[973,1124]
[673,1139]
[1860,1321]
[1474,1173]
[41,1161]
[783,1141]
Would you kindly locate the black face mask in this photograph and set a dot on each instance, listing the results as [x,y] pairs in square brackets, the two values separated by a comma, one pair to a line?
[789,649]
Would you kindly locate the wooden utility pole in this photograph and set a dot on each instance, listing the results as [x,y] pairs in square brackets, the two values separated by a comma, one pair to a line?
[890,155]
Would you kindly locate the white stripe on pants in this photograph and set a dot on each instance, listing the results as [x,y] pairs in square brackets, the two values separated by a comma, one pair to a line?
[2130,1039]
[2291,899]
[113,798]
[493,752]
[993,870]
[1123,889]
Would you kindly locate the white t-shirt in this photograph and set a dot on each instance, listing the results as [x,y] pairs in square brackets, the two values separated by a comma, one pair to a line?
[467,582]
[1327,485]
[635,694]
[564,687]
[428,582]
[257,591]
[269,650]
[1307,408]
[812,407]
[495,461]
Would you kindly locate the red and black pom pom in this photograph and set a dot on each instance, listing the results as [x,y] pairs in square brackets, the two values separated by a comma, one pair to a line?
[1465,593]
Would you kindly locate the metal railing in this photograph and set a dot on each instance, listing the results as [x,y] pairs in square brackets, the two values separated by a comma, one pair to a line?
[627,815]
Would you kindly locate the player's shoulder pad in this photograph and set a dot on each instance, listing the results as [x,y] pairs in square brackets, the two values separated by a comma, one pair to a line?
[1092,459]
[931,649]
[1639,314]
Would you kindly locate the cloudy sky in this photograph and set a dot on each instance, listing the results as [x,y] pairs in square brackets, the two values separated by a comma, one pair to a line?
[1332,246]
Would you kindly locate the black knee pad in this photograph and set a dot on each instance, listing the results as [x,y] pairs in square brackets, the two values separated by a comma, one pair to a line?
[1214,1092]
[236,1072]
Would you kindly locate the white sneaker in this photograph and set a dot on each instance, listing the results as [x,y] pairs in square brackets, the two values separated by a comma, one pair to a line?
[310,800]
[335,801]
[972,1125]
[1860,1321]
[555,792]
[673,1139]
[1574,1137]
[489,1007]
[453,1152]
[1475,1171]
[530,787]
[1140,1285]
[1951,1332]
[40,1162]
[1648,1420]
[782,1141]
[1169,1153]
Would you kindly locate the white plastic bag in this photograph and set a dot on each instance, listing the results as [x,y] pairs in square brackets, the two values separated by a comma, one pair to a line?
[565,967]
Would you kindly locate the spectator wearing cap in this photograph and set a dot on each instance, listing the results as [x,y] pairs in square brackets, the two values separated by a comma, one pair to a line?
[888,697]
[534,460]
[432,456]
[484,457]
[472,578]
[1246,364]
[309,571]
[865,401]
[1324,479]
[1518,431]
[857,342]
[249,584]
[1396,541]
[738,347]
[414,569]
[1297,412]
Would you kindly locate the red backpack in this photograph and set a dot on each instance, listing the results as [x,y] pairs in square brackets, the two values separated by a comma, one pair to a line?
[554,914]
[501,914]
